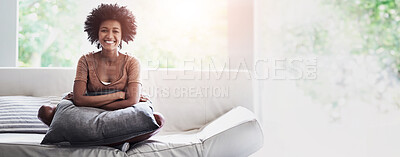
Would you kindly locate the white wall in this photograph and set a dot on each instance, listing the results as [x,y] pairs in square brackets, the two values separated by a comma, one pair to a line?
[8,33]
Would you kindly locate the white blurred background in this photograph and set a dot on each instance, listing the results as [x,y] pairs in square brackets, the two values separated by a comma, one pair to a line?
[352,107]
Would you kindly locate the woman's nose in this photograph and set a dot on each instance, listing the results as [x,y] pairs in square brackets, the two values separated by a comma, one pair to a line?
[109,33]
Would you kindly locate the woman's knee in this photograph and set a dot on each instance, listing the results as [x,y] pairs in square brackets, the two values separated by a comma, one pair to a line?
[159,118]
[46,114]
[160,121]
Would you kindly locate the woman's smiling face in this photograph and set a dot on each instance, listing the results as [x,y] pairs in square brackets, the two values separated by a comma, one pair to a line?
[110,34]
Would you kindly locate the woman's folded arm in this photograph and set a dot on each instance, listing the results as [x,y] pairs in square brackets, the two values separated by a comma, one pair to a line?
[132,97]
[80,99]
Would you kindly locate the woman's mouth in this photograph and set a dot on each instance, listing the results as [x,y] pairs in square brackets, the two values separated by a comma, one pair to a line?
[109,42]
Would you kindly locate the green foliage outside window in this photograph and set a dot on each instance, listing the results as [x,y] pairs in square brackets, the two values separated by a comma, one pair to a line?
[358,49]
[378,22]
[47,30]
[370,27]
[51,32]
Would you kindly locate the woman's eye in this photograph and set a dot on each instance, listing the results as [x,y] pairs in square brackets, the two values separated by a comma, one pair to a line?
[116,32]
[103,30]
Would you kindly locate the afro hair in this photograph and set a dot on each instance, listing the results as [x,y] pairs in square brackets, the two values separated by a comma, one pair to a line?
[110,12]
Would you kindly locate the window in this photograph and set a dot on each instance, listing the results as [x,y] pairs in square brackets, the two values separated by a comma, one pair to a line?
[169,32]
[48,33]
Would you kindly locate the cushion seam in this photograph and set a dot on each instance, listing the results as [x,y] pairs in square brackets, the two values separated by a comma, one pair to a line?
[168,148]
[201,142]
[253,120]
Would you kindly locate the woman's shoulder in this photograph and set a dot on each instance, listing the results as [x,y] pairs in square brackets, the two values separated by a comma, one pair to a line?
[130,57]
[88,55]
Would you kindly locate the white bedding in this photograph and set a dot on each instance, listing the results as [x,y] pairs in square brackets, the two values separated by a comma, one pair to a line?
[237,131]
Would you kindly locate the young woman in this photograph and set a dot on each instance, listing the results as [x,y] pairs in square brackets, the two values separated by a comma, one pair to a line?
[108,70]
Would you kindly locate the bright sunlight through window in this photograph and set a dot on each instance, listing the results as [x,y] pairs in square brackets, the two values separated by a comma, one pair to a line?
[168,34]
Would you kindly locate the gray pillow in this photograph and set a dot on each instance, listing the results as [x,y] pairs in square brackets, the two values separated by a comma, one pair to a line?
[86,126]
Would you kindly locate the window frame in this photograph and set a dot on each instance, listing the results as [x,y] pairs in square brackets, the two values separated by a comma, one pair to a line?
[9,33]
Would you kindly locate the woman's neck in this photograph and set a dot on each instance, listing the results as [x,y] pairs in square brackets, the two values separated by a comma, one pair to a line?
[109,56]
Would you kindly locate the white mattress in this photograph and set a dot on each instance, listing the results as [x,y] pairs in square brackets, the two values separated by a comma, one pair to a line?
[236,133]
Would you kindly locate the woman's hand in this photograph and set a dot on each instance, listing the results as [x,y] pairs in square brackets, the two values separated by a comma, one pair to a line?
[69,96]
[121,95]
[127,99]
[143,98]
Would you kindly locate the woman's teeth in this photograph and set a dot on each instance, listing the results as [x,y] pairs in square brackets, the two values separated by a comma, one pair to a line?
[109,42]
